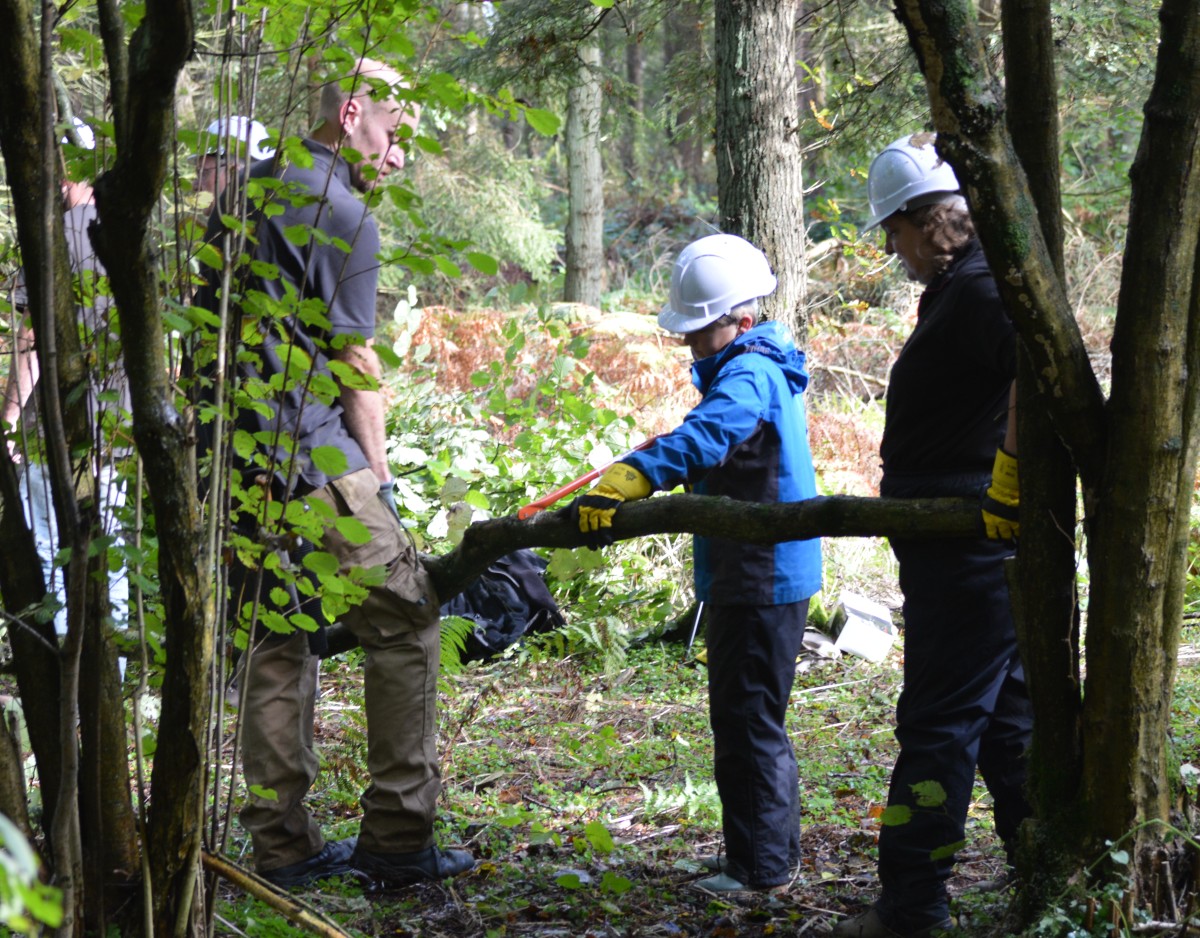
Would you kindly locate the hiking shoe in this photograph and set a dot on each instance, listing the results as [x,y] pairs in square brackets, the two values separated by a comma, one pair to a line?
[715,864]
[723,882]
[400,869]
[870,924]
[332,860]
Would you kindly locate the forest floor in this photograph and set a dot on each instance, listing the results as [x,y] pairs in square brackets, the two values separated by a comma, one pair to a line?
[586,793]
[586,797]
[581,781]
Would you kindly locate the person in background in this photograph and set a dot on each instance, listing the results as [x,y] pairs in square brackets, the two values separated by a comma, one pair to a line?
[108,397]
[949,430]
[746,439]
[356,142]
[239,134]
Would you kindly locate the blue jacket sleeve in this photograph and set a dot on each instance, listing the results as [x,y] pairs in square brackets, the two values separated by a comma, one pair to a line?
[726,417]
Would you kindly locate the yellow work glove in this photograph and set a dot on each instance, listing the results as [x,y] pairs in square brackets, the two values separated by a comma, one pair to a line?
[594,511]
[1000,501]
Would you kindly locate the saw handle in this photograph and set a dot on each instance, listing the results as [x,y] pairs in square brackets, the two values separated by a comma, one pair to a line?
[528,511]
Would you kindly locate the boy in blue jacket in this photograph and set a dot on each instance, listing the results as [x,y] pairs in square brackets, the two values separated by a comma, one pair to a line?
[747,439]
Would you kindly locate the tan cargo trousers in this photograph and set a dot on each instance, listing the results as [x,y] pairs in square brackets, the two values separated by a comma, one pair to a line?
[398,628]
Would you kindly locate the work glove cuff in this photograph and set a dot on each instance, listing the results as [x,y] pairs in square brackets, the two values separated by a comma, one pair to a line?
[1005,487]
[625,482]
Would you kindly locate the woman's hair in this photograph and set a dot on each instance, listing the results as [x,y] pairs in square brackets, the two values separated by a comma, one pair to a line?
[948,228]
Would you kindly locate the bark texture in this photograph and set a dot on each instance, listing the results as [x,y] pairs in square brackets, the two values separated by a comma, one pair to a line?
[1141,511]
[585,222]
[1044,597]
[760,184]
[1136,453]
[827,516]
[126,197]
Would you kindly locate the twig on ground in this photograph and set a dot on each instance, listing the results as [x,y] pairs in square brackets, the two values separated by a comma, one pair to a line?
[294,910]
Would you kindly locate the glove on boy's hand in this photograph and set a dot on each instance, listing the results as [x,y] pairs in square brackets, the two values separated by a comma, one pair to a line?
[1001,500]
[594,511]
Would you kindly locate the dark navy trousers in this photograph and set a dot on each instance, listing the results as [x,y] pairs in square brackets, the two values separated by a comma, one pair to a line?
[751,667]
[964,704]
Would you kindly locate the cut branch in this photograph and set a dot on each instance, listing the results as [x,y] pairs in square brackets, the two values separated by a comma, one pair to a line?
[832,516]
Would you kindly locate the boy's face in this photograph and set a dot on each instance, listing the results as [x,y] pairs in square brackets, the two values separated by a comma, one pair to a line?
[713,338]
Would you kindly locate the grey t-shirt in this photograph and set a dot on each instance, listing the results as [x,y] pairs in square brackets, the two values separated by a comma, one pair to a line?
[326,286]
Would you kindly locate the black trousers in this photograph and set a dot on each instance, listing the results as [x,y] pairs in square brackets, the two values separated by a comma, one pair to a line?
[751,667]
[964,704]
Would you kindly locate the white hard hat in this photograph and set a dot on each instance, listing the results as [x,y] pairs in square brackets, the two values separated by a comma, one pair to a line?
[87,136]
[250,133]
[906,175]
[712,276]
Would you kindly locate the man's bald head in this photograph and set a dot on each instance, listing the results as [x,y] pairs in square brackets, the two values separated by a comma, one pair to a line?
[368,118]
[374,84]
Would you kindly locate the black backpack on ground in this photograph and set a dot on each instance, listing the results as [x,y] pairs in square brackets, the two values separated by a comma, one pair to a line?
[509,599]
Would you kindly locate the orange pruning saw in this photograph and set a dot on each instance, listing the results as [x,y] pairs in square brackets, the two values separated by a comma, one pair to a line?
[528,511]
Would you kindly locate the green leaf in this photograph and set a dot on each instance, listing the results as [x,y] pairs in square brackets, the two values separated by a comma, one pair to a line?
[275,622]
[330,460]
[477,499]
[544,122]
[603,4]
[447,266]
[428,144]
[321,563]
[387,356]
[44,903]
[929,794]
[281,597]
[209,256]
[895,814]
[353,530]
[484,263]
[267,794]
[610,882]
[299,235]
[569,881]
[304,622]
[944,853]
[599,837]
[1120,857]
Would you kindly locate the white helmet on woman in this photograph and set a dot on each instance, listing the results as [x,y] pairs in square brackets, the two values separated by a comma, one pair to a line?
[906,175]
[712,276]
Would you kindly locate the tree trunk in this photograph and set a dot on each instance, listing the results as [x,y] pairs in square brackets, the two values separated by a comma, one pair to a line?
[760,185]
[1045,604]
[28,143]
[126,196]
[683,34]
[631,138]
[585,221]
[1141,510]
[1136,456]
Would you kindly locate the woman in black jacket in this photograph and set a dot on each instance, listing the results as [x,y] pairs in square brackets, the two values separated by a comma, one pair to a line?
[949,431]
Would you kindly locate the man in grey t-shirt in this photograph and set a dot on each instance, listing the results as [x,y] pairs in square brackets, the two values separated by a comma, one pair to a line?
[307,311]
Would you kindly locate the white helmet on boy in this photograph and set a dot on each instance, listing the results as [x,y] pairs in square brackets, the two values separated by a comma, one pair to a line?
[712,276]
[906,175]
